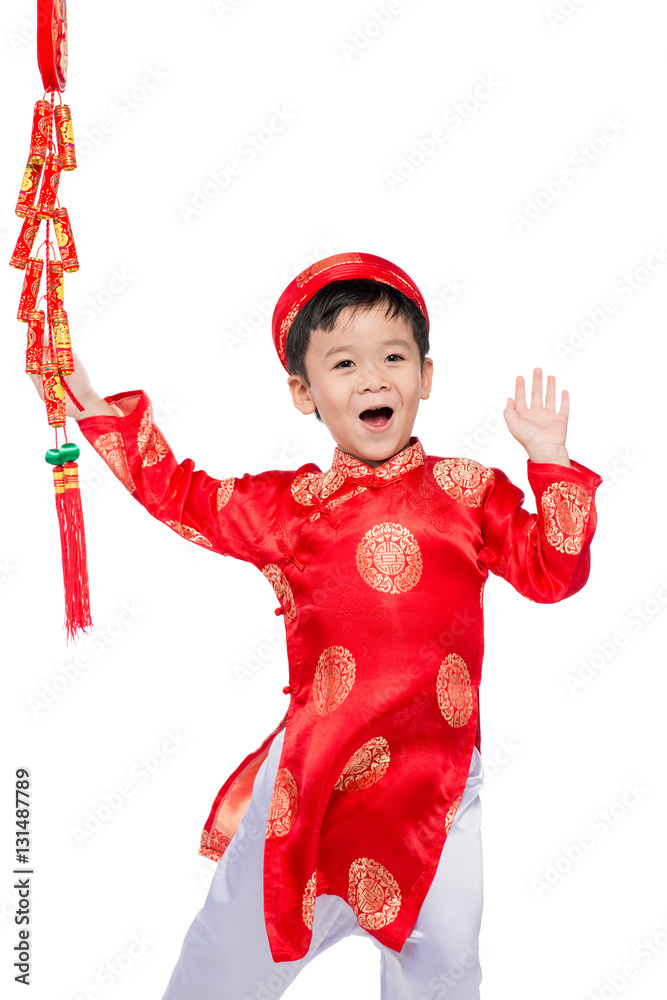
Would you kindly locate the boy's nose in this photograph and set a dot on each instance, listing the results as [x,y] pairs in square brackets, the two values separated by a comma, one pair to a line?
[372,378]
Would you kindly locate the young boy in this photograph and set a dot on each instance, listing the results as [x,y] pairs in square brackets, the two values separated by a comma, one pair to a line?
[360,813]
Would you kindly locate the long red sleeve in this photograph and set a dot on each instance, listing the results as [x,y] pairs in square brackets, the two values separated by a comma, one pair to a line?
[233,516]
[545,556]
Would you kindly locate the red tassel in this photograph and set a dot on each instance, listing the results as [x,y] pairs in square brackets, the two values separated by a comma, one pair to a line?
[73,544]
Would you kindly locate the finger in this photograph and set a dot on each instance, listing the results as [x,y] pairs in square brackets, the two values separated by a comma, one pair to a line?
[565,403]
[550,399]
[536,395]
[520,393]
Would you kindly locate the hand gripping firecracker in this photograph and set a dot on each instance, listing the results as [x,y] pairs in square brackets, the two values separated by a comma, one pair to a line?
[48,347]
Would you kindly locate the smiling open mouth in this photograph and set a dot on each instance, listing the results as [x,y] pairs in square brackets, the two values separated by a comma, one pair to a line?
[376,416]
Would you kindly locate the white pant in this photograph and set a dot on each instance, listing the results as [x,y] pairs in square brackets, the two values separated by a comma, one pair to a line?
[226,955]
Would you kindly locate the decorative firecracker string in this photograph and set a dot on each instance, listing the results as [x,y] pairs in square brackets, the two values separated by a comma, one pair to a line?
[52,151]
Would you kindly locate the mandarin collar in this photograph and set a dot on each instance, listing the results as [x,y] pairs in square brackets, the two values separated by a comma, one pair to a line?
[410,458]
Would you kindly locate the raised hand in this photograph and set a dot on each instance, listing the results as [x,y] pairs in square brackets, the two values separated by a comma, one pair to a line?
[539,427]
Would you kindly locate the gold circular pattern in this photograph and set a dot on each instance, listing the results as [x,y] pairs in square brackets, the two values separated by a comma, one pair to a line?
[366,766]
[565,508]
[225,490]
[321,484]
[334,678]
[451,813]
[284,800]
[152,446]
[308,903]
[111,448]
[463,479]
[454,690]
[373,893]
[186,532]
[281,589]
[388,558]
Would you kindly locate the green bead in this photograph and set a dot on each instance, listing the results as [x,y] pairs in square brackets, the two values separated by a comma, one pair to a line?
[69,452]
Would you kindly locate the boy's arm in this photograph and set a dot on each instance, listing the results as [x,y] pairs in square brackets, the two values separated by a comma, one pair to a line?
[545,556]
[233,516]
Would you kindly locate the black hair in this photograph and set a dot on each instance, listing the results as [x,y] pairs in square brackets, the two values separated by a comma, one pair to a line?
[322,311]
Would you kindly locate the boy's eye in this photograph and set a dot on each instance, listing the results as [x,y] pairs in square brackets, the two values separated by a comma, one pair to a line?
[399,356]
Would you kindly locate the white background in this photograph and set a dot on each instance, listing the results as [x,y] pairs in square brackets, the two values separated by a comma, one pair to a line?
[178,302]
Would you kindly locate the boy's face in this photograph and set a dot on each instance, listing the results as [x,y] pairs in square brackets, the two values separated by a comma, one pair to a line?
[367,360]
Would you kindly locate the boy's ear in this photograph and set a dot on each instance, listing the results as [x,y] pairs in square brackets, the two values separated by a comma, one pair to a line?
[426,378]
[301,396]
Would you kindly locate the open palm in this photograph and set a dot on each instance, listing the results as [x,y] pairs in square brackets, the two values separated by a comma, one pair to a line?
[539,425]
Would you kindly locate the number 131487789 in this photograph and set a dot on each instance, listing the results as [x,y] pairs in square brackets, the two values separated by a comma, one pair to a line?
[22,884]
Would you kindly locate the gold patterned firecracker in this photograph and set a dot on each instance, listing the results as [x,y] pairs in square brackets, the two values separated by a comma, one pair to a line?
[26,240]
[454,690]
[34,346]
[65,239]
[281,589]
[388,558]
[55,286]
[366,766]
[185,531]
[225,490]
[334,679]
[112,450]
[150,443]
[451,813]
[565,507]
[29,185]
[64,356]
[49,189]
[284,802]
[373,893]
[65,136]
[41,126]
[308,903]
[30,290]
[54,395]
[463,479]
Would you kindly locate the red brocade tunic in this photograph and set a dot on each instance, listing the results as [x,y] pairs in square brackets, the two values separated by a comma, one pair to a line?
[379,573]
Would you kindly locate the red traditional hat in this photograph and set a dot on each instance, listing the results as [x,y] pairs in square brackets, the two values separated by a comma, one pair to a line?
[339,267]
